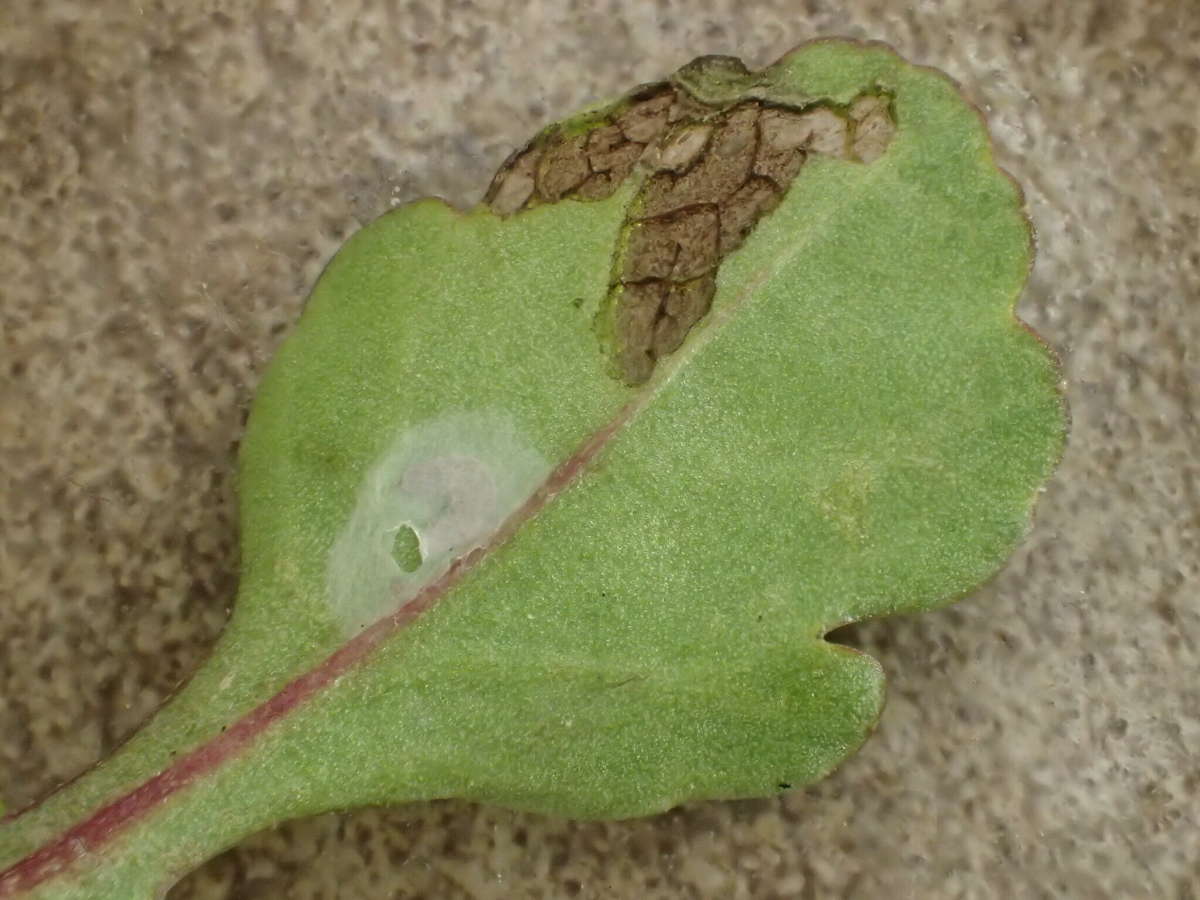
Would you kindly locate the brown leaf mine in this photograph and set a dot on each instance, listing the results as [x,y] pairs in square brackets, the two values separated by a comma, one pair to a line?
[706,173]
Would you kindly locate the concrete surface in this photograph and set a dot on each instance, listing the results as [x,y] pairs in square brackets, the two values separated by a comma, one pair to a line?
[173,175]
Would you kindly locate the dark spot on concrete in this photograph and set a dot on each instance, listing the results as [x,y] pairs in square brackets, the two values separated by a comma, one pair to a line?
[1166,611]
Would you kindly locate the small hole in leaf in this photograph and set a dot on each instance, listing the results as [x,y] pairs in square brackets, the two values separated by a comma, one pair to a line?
[406,549]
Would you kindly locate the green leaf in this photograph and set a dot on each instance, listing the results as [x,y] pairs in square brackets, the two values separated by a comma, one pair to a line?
[550,503]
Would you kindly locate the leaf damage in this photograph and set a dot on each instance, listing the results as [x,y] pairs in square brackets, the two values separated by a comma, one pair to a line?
[707,173]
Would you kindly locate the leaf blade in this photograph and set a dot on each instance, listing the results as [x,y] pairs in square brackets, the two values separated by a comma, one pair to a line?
[856,274]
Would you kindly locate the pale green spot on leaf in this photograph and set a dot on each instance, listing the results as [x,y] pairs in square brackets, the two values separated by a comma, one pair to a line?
[406,549]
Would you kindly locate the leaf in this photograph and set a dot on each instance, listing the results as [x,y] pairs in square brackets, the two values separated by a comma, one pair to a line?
[550,503]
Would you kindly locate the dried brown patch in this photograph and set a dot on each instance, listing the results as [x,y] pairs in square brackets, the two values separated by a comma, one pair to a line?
[707,176]
[587,164]
[677,246]
[874,127]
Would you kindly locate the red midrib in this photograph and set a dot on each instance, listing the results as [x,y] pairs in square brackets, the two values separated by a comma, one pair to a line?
[110,820]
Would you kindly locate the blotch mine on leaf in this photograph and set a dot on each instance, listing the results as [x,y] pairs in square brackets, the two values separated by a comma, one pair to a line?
[707,171]
[452,482]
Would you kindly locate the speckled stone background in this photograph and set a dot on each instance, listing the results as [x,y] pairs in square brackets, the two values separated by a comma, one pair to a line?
[173,176]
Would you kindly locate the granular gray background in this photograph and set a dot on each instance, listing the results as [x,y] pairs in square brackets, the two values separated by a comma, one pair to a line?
[173,176]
